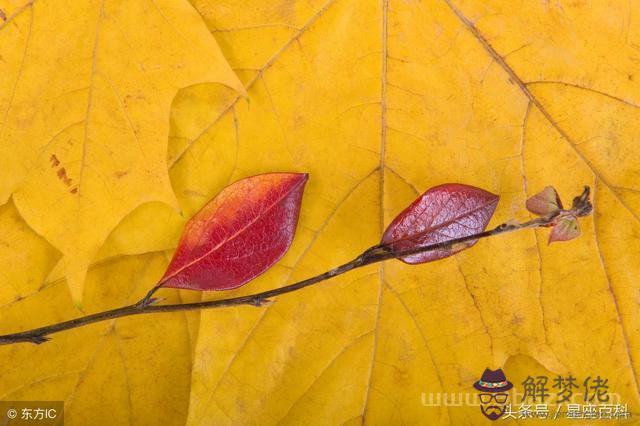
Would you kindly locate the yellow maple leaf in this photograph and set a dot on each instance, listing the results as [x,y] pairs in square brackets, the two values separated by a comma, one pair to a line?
[378,101]
[84,102]
[113,372]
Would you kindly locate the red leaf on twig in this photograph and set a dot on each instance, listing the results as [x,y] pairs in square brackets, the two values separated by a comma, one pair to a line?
[239,234]
[565,228]
[441,214]
[544,202]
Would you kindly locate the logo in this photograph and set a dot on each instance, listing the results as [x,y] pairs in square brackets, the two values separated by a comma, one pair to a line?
[493,387]
[540,398]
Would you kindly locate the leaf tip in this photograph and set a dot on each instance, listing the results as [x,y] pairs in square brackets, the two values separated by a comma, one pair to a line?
[303,176]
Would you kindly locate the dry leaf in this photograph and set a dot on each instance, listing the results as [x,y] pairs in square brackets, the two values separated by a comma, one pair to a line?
[84,102]
[114,372]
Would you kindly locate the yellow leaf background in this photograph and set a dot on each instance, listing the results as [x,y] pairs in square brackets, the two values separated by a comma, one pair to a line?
[378,101]
[86,93]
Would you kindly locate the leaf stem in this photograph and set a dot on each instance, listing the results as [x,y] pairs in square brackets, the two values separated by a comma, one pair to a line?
[375,254]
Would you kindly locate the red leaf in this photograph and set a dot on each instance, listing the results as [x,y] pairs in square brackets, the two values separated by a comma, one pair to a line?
[565,228]
[441,214]
[544,202]
[239,234]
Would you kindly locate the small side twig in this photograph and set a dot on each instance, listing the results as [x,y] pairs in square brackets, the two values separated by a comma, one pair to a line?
[378,253]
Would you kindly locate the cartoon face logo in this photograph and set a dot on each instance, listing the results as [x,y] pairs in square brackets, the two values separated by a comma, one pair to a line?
[493,387]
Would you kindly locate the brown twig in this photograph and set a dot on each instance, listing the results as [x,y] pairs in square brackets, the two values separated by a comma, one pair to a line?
[581,207]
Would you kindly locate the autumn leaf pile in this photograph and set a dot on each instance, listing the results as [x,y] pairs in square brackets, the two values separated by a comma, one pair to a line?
[119,120]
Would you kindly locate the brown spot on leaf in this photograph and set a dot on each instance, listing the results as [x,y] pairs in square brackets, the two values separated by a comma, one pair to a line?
[121,173]
[3,16]
[62,175]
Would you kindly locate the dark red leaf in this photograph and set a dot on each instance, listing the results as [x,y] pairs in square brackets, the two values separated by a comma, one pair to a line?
[239,234]
[441,214]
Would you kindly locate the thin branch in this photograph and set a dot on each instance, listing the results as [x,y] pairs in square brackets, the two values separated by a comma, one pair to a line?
[375,254]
